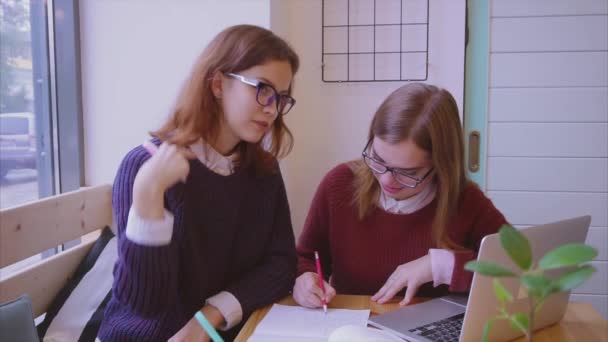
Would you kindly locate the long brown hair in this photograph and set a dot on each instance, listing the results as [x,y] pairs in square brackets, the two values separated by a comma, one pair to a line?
[197,112]
[427,115]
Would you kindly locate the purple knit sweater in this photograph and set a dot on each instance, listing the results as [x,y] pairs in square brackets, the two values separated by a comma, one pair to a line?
[230,233]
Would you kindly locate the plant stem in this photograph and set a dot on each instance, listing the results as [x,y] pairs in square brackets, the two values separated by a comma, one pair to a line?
[531,321]
[521,328]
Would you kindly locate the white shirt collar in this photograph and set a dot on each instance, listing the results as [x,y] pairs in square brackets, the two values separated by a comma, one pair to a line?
[408,205]
[216,162]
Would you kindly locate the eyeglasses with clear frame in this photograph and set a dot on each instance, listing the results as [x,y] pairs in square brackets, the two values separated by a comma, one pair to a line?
[399,175]
[267,94]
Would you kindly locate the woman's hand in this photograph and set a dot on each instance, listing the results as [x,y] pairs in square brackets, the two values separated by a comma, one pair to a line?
[194,332]
[168,165]
[410,275]
[191,332]
[307,292]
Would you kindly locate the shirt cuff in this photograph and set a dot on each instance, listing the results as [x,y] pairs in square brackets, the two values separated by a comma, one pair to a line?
[149,232]
[229,307]
[442,266]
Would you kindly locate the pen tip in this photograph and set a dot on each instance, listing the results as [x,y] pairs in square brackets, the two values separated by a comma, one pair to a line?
[324,308]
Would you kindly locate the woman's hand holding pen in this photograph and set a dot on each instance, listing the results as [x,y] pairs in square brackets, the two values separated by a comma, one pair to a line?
[410,275]
[307,292]
[168,165]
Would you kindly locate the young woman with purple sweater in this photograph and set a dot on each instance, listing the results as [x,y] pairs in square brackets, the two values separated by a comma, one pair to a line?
[202,214]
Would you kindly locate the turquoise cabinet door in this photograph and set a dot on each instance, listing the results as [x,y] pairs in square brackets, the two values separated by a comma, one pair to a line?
[476,84]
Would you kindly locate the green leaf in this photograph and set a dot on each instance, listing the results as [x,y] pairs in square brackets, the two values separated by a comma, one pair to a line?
[488,269]
[567,255]
[574,278]
[537,284]
[486,329]
[539,304]
[501,292]
[517,246]
[519,321]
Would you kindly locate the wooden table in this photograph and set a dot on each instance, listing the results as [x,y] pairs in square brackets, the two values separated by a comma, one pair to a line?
[581,322]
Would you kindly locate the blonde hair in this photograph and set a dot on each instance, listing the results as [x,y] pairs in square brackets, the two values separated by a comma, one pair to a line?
[197,112]
[427,115]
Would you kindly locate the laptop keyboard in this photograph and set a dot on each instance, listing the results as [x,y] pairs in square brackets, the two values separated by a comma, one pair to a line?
[446,330]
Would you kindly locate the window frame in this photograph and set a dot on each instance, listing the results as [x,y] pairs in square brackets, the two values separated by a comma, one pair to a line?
[56,63]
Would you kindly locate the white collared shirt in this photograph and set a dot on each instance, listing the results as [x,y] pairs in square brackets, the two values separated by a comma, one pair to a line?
[408,205]
[212,159]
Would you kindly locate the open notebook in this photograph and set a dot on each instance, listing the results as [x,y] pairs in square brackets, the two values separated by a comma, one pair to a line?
[299,324]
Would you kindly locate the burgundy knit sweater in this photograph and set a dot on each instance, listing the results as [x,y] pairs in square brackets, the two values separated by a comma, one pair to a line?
[361,255]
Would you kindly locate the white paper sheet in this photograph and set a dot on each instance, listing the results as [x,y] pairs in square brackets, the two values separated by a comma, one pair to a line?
[296,323]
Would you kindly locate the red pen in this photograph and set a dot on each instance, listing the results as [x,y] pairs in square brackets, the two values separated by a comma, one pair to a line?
[321,282]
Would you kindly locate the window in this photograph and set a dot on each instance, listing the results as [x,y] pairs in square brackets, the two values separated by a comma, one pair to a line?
[40,103]
[39,100]
[15,125]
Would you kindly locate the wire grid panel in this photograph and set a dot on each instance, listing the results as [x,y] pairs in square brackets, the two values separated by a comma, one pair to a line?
[375,40]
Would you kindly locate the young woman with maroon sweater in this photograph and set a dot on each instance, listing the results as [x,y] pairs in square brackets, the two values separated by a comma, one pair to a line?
[404,219]
[202,214]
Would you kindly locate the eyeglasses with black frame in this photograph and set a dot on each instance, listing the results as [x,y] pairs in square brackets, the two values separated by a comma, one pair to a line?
[400,175]
[267,94]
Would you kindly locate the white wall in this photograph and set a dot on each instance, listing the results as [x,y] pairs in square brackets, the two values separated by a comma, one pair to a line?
[135,55]
[330,120]
[548,119]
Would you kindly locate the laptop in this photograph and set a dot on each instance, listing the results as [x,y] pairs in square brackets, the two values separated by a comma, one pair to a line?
[454,318]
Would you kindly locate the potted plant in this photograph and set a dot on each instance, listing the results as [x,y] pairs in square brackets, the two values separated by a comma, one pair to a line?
[533,277]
